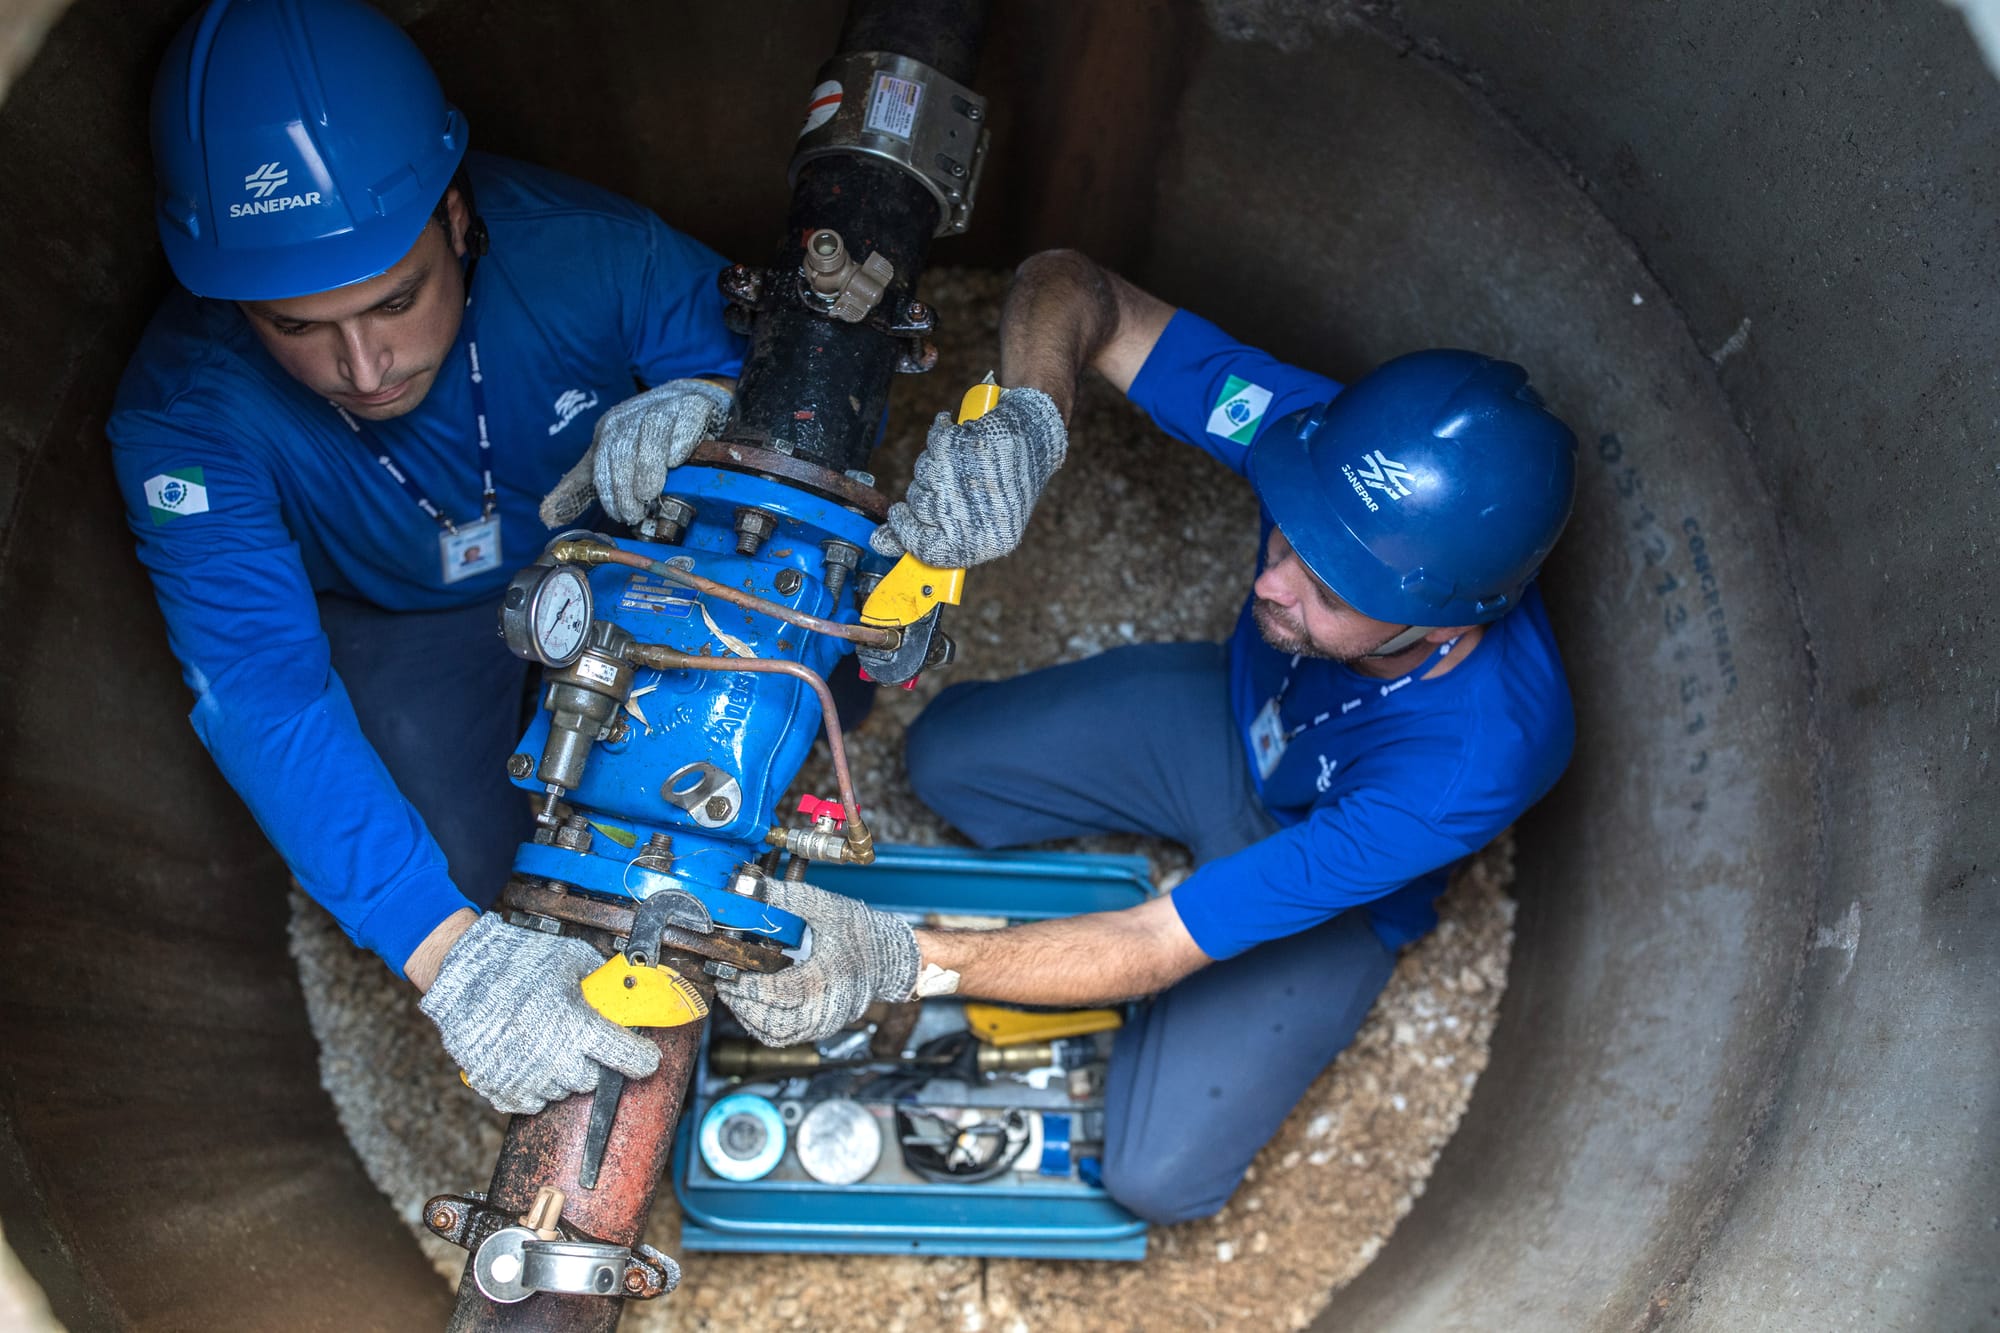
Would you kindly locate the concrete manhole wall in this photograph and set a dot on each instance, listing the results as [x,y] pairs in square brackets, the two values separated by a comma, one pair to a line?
[1745,1071]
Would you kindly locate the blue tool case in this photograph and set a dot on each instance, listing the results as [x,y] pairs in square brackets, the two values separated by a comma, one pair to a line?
[1038,1196]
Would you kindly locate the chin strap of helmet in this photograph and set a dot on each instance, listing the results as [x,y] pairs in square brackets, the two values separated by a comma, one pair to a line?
[1402,641]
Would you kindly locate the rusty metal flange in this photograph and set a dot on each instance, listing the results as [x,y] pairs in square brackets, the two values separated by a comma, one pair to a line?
[581,909]
[769,463]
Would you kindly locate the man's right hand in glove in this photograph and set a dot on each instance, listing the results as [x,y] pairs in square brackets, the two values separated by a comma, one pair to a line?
[510,1005]
[635,445]
[858,955]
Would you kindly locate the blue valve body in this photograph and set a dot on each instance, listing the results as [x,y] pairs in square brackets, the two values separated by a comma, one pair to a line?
[757,728]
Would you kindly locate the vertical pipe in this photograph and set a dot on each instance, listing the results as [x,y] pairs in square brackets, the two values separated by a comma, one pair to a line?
[814,387]
[547,1149]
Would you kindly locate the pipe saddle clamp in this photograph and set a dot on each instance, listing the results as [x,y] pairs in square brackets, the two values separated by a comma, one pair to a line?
[513,1260]
[514,1263]
[886,106]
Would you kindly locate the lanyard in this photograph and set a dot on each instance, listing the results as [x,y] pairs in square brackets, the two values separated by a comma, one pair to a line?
[489,499]
[1382,691]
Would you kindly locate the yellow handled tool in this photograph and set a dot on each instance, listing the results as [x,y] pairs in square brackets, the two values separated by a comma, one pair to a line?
[913,589]
[998,1025]
[643,997]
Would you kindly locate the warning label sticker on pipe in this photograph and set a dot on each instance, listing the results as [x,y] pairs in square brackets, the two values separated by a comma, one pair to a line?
[823,101]
[892,106]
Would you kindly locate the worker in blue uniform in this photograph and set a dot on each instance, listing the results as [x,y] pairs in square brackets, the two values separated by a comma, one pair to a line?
[333,442]
[1391,699]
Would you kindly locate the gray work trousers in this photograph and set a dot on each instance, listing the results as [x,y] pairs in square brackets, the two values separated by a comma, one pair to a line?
[1141,740]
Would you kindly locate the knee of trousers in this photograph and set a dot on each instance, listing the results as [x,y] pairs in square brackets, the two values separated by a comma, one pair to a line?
[1151,1188]
[939,750]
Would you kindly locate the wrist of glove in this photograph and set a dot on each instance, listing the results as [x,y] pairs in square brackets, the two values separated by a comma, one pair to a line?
[858,955]
[636,444]
[976,484]
[508,1004]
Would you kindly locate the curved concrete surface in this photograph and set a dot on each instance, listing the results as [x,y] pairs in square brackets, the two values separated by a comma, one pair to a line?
[1747,1072]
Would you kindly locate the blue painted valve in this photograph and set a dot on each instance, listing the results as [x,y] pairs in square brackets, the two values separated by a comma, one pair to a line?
[684,686]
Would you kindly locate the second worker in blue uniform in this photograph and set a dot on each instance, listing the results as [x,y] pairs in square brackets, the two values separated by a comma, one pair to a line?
[1390,701]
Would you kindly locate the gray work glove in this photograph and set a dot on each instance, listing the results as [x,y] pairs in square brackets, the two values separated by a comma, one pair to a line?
[636,444]
[508,1002]
[858,955]
[976,484]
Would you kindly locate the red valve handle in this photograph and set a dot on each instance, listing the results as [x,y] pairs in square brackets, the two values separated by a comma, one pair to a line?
[815,808]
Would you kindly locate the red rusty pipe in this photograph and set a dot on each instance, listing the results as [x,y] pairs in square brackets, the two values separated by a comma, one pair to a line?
[547,1149]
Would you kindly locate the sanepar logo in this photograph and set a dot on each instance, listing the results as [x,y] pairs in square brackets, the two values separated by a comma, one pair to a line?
[265,182]
[1377,471]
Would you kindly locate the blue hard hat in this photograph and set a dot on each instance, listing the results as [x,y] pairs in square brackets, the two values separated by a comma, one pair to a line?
[1427,493]
[300,145]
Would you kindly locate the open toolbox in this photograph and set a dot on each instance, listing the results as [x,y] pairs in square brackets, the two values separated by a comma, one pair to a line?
[915,1133]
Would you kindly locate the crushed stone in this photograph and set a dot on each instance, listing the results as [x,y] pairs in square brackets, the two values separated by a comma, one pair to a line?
[1138,539]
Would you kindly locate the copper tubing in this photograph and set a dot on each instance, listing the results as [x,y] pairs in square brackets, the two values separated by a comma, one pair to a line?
[860,841]
[596,553]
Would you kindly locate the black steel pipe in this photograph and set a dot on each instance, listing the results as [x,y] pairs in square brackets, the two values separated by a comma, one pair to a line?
[813,386]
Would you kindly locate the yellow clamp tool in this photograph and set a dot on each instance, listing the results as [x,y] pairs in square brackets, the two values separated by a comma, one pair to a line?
[909,592]
[643,997]
[998,1025]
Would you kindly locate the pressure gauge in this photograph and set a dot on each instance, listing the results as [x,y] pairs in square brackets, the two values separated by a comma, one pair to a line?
[546,614]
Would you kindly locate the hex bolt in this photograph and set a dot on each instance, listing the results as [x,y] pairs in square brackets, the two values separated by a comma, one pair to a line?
[841,560]
[753,526]
[574,835]
[717,808]
[658,854]
[788,581]
[673,519]
[520,765]
[721,971]
[857,475]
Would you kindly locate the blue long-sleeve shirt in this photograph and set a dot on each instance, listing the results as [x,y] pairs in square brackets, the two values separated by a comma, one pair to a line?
[1378,788]
[250,495]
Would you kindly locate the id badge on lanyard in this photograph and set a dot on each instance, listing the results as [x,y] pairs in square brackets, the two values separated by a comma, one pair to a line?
[470,549]
[465,550]
[1267,739]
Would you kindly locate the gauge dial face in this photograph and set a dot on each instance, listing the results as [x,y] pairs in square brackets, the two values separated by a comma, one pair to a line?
[561,615]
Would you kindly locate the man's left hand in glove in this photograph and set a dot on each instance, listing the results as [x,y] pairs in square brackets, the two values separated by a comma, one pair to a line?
[637,443]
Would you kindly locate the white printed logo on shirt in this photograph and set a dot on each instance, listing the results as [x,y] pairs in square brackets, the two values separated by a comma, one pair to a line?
[176,494]
[573,403]
[1238,410]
